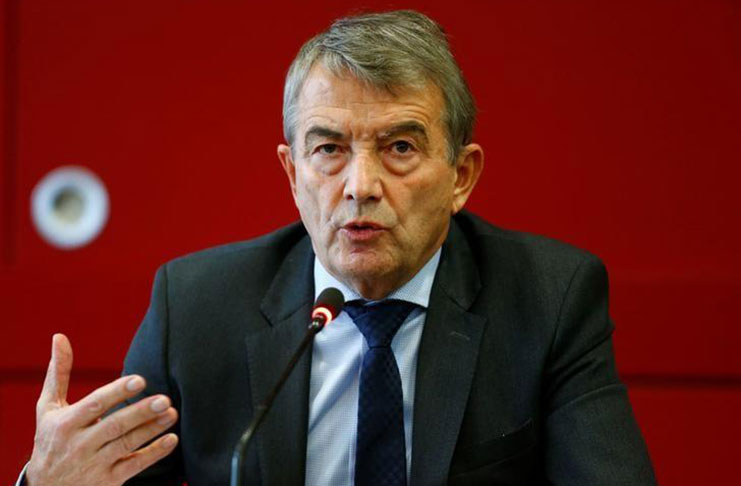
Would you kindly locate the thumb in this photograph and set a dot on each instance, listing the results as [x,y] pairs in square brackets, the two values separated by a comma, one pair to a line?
[56,382]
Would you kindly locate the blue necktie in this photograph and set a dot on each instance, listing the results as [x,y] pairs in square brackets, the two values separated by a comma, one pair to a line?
[380,456]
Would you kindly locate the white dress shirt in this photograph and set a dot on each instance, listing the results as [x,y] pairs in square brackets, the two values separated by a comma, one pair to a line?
[335,376]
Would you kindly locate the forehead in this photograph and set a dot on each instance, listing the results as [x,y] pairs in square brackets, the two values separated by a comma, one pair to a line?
[346,103]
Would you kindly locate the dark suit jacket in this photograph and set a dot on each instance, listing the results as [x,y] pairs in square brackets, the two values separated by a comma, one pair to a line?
[516,382]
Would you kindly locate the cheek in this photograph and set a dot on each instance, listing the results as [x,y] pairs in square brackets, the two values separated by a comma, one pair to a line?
[429,197]
[428,209]
[315,196]
[305,197]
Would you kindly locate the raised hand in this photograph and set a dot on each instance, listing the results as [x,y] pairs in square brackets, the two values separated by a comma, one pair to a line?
[75,445]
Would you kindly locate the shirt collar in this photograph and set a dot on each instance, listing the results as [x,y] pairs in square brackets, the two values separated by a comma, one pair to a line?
[416,291]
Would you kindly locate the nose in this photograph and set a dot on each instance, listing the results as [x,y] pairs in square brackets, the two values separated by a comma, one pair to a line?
[363,181]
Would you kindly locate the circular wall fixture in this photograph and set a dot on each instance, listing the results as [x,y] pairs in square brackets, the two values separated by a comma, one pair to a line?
[69,207]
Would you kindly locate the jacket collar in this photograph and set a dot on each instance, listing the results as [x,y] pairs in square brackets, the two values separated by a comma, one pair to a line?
[281,439]
[448,354]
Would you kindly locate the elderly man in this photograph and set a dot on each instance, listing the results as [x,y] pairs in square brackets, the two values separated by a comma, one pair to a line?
[466,353]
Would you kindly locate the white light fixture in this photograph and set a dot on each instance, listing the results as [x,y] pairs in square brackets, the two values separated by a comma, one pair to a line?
[69,207]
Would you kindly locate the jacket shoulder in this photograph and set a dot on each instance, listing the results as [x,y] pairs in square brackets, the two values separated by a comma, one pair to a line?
[255,259]
[488,240]
[538,267]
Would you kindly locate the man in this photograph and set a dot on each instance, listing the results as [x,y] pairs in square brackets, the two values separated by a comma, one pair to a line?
[498,368]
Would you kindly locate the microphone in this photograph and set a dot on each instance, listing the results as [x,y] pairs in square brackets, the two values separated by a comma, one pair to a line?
[327,306]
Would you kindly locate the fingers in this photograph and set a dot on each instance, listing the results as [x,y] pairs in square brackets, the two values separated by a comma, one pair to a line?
[137,461]
[126,430]
[56,382]
[93,406]
[71,441]
[133,440]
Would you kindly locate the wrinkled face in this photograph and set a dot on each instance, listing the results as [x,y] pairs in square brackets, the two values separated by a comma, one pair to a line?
[371,180]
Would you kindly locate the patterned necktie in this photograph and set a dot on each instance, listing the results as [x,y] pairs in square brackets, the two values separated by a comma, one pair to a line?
[380,456]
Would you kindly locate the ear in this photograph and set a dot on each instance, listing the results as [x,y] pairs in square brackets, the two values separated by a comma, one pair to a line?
[286,160]
[468,168]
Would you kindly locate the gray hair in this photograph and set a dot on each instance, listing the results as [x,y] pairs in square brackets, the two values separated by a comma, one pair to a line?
[387,50]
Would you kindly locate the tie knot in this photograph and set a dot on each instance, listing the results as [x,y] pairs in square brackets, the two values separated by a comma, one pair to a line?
[379,321]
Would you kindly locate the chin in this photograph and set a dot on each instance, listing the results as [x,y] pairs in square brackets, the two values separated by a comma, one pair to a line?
[363,270]
[365,267]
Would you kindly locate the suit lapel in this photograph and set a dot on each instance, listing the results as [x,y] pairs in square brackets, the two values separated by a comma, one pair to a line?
[447,360]
[281,440]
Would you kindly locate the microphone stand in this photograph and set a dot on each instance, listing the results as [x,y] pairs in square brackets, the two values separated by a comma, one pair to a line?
[317,324]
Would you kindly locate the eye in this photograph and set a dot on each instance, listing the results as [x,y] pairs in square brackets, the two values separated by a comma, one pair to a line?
[328,149]
[402,147]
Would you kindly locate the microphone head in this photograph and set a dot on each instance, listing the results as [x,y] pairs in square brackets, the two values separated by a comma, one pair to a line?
[328,305]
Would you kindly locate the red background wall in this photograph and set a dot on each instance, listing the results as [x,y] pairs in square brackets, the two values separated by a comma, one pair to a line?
[611,125]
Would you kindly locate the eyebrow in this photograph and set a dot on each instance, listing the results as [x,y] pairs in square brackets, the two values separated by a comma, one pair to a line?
[410,127]
[318,131]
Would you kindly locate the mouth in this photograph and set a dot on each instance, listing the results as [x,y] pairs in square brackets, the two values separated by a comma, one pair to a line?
[362,231]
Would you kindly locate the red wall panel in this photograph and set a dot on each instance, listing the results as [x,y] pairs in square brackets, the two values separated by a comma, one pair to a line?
[691,432]
[16,420]
[7,112]
[613,126]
